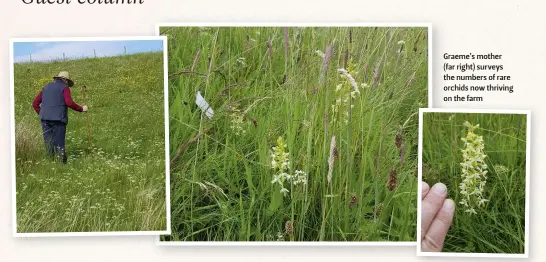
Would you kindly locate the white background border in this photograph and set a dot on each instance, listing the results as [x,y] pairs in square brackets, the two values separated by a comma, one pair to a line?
[13,157]
[303,24]
[527,181]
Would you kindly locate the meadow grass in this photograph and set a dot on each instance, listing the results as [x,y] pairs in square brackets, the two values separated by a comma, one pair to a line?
[499,226]
[268,83]
[117,184]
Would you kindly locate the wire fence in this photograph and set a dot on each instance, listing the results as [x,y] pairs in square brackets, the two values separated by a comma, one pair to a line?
[64,57]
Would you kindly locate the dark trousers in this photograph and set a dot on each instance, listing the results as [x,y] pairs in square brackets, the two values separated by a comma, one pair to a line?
[54,138]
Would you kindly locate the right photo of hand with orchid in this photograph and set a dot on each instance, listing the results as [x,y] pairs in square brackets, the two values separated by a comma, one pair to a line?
[473,171]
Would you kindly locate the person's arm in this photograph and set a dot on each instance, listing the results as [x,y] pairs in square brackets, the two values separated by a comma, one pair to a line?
[36,103]
[69,102]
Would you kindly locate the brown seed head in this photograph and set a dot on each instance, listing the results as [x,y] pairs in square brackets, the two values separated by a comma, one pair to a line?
[393,180]
[376,72]
[398,140]
[402,153]
[269,47]
[378,209]
[289,228]
[353,200]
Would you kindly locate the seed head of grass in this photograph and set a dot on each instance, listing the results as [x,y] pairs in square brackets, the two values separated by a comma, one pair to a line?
[393,180]
[326,60]
[398,140]
[289,228]
[269,47]
[376,73]
[331,159]
[378,209]
[411,79]
[353,200]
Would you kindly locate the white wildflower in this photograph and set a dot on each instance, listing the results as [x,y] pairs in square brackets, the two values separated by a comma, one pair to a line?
[354,93]
[280,236]
[241,61]
[320,53]
[281,164]
[237,122]
[474,170]
[280,158]
[352,81]
[300,177]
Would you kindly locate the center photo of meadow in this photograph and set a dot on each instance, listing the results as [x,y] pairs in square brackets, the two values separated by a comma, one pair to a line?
[295,133]
[90,136]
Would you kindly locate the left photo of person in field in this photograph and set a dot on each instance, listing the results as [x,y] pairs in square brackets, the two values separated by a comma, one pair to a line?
[88,136]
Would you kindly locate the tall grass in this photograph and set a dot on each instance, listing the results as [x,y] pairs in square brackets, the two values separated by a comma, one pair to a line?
[499,227]
[283,87]
[119,183]
[29,140]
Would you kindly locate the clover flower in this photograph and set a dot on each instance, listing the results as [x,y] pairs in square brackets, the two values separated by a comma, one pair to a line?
[474,170]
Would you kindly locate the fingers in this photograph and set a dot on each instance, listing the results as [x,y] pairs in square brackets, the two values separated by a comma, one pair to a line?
[433,241]
[431,204]
[424,189]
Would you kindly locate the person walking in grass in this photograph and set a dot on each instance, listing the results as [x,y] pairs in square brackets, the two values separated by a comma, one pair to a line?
[51,104]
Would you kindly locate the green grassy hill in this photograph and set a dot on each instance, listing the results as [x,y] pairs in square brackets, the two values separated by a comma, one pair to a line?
[119,183]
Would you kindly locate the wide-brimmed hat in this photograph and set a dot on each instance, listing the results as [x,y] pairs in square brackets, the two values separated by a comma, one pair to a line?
[66,76]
